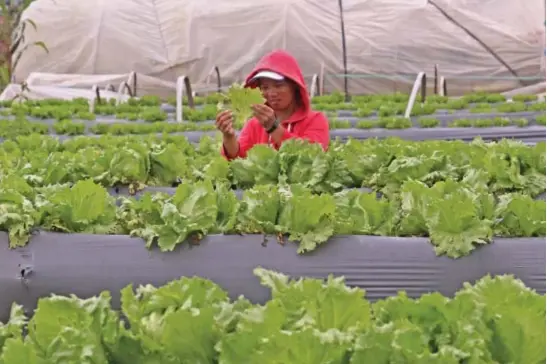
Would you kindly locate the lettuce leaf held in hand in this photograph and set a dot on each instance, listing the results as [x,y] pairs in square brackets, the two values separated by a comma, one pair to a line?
[241,99]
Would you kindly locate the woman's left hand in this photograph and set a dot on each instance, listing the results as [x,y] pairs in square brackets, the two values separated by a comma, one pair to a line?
[264,114]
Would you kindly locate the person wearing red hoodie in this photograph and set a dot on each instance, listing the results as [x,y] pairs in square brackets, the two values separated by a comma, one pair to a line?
[286,114]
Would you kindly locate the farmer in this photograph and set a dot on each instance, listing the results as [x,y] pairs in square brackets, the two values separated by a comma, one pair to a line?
[286,114]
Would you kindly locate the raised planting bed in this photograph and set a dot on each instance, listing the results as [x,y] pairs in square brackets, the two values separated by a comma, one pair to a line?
[381,165]
[151,108]
[457,216]
[85,265]
[456,120]
[382,111]
[529,135]
[443,116]
[193,320]
[445,126]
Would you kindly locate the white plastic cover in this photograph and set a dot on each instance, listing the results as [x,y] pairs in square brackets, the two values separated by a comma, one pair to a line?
[15,91]
[170,38]
[145,84]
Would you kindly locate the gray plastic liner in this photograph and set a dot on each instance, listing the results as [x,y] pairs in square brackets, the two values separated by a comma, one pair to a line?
[170,109]
[88,264]
[444,117]
[531,134]
[447,114]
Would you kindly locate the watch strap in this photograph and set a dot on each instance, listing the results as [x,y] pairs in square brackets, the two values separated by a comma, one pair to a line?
[274,126]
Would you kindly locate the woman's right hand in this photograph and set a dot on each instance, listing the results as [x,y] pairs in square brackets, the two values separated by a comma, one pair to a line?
[225,123]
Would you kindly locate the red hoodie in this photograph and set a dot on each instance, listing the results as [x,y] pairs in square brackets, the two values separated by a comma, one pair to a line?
[304,123]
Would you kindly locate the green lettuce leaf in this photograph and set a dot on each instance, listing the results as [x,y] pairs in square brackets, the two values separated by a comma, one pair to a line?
[259,208]
[261,167]
[241,99]
[84,208]
[520,215]
[308,218]
[514,314]
[191,212]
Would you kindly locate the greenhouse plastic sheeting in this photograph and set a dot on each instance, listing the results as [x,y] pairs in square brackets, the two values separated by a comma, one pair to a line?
[87,264]
[390,38]
[13,91]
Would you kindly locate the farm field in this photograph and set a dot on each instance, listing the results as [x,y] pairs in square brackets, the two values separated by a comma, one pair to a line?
[412,232]
[94,201]
[385,182]
[299,191]
[382,184]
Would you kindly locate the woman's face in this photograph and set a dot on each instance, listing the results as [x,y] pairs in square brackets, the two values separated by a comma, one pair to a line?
[280,95]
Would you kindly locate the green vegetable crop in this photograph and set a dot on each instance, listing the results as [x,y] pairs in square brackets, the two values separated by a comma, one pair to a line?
[456,216]
[241,99]
[307,321]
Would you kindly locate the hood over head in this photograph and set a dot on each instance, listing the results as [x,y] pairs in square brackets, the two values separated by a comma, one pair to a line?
[280,63]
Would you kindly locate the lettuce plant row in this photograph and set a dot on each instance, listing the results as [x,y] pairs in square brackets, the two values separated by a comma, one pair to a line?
[382,165]
[22,126]
[151,109]
[306,321]
[456,215]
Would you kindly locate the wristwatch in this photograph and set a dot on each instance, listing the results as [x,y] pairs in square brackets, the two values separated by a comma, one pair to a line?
[274,126]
